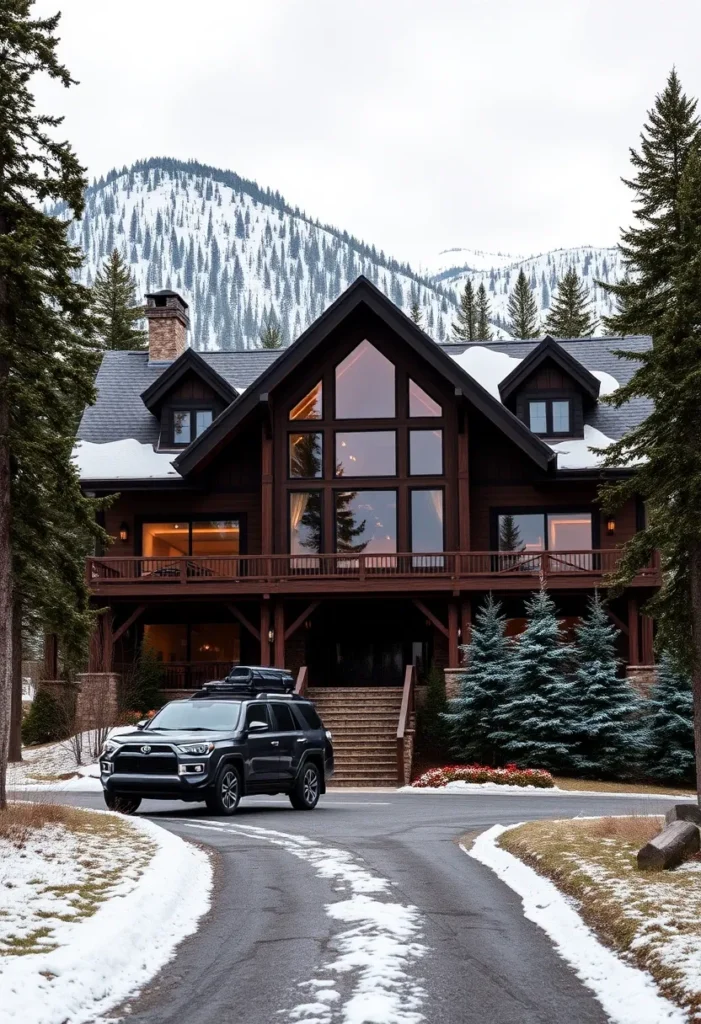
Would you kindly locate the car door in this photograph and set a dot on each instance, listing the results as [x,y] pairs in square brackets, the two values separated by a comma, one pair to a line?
[263,746]
[290,737]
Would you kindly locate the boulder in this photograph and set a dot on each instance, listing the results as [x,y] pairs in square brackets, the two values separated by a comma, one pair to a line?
[684,812]
[675,843]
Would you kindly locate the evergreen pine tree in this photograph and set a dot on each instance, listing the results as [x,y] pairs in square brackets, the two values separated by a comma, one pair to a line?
[509,534]
[415,314]
[431,724]
[649,250]
[604,702]
[271,335]
[531,725]
[489,667]
[570,314]
[484,331]
[522,310]
[668,729]
[465,324]
[47,363]
[115,309]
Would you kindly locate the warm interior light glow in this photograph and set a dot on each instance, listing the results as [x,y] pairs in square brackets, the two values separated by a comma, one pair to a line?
[310,407]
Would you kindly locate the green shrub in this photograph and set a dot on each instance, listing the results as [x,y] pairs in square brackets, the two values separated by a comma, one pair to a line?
[146,691]
[431,726]
[47,720]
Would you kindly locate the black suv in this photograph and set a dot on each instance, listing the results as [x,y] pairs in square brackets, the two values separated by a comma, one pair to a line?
[231,739]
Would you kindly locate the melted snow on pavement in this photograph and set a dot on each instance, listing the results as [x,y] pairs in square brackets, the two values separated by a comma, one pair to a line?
[375,950]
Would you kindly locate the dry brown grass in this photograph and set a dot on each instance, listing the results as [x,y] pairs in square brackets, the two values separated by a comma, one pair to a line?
[652,918]
[18,821]
[583,785]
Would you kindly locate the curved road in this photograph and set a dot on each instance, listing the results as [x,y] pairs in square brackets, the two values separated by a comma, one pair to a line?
[270,930]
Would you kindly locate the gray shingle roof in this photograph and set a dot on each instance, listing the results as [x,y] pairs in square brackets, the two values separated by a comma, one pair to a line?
[123,376]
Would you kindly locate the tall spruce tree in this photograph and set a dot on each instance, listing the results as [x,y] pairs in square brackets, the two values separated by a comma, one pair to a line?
[271,335]
[604,703]
[465,323]
[532,723]
[522,310]
[664,451]
[415,313]
[484,330]
[116,312]
[571,314]
[489,667]
[668,729]
[650,248]
[47,359]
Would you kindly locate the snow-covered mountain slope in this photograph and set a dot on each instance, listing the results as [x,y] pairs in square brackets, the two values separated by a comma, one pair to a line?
[239,254]
[543,272]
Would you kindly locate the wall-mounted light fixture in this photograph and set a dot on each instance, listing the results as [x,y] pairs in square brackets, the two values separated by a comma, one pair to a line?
[124,532]
[610,526]
[271,636]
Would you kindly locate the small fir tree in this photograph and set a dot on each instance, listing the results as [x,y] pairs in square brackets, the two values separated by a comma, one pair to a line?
[415,314]
[522,310]
[509,534]
[489,668]
[117,314]
[271,336]
[571,314]
[149,676]
[432,726]
[484,312]
[668,730]
[604,704]
[465,323]
[532,723]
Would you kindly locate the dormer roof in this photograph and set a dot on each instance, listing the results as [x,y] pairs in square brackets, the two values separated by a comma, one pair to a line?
[189,362]
[549,349]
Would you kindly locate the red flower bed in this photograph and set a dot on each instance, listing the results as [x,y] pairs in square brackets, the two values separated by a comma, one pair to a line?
[510,775]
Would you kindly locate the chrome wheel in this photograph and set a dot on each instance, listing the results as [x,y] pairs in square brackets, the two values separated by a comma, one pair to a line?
[310,786]
[229,790]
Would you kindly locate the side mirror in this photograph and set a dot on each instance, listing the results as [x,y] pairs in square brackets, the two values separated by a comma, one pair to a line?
[142,723]
[258,727]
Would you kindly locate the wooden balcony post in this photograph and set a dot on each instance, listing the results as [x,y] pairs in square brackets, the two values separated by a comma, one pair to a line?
[648,640]
[279,634]
[266,496]
[51,655]
[633,633]
[264,631]
[453,651]
[465,621]
[463,489]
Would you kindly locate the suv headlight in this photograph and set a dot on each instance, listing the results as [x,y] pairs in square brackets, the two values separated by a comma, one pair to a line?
[196,748]
[109,748]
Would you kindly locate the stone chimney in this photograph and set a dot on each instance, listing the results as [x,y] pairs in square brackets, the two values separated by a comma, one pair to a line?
[168,322]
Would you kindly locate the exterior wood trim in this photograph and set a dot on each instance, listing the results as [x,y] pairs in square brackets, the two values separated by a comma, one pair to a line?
[189,361]
[633,632]
[255,633]
[136,614]
[264,631]
[549,349]
[301,619]
[431,617]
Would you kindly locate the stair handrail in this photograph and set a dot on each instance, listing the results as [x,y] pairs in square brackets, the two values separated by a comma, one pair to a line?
[302,681]
[405,713]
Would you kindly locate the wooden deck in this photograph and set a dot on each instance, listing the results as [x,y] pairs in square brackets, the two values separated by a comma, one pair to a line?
[121,576]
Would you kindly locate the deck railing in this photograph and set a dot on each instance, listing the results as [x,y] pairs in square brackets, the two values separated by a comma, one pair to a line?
[404,742]
[491,565]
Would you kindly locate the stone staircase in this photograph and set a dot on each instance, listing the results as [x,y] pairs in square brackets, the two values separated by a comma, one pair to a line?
[363,720]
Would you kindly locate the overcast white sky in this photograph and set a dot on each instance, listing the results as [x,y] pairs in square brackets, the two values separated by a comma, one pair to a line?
[418,125]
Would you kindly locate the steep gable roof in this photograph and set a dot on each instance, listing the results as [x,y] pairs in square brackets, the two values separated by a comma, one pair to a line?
[363,292]
[189,362]
[549,349]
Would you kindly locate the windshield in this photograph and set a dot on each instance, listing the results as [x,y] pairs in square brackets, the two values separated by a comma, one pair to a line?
[188,715]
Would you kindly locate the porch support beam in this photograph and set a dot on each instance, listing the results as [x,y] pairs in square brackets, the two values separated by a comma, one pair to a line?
[633,654]
[648,640]
[266,492]
[119,633]
[301,619]
[279,634]
[463,487]
[453,649]
[264,631]
[51,655]
[246,623]
[101,643]
[465,621]
[431,617]
[617,622]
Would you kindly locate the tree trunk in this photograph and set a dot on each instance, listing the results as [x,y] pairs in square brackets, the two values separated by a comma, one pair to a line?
[696,673]
[15,745]
[5,582]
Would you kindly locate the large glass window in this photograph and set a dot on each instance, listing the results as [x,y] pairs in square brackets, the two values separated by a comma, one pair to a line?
[306,455]
[203,419]
[426,452]
[310,407]
[205,642]
[427,521]
[173,540]
[421,404]
[165,540]
[569,531]
[551,531]
[305,522]
[538,417]
[189,424]
[366,521]
[522,532]
[168,642]
[365,385]
[218,537]
[550,416]
[561,417]
[366,453]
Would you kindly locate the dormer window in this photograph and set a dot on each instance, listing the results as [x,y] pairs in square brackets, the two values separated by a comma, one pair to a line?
[550,416]
[189,424]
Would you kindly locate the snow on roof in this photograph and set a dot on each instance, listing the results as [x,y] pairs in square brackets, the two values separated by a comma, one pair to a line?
[577,453]
[609,384]
[127,459]
[486,366]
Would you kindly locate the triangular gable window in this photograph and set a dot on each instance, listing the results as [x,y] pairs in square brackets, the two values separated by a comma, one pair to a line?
[310,407]
[365,385]
[421,404]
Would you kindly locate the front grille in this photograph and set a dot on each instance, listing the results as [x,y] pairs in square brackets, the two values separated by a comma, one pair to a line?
[146,764]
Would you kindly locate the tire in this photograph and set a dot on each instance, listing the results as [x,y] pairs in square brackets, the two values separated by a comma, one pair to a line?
[122,802]
[307,788]
[224,799]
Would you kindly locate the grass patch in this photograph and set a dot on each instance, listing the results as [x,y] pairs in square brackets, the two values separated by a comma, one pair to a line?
[583,785]
[652,918]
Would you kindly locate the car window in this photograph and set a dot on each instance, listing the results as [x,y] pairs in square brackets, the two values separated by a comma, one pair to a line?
[256,713]
[181,715]
[283,718]
[310,719]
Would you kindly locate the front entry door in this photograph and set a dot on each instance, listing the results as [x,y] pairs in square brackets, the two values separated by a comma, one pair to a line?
[263,747]
[290,737]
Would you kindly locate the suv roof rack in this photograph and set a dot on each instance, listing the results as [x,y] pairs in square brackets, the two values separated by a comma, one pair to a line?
[250,681]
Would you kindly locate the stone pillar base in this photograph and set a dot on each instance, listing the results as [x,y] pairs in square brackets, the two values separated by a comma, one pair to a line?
[452,681]
[97,705]
[642,677]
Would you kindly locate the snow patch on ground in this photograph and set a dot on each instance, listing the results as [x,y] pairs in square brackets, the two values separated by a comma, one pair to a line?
[373,953]
[486,366]
[475,788]
[627,994]
[101,959]
[127,459]
[40,767]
